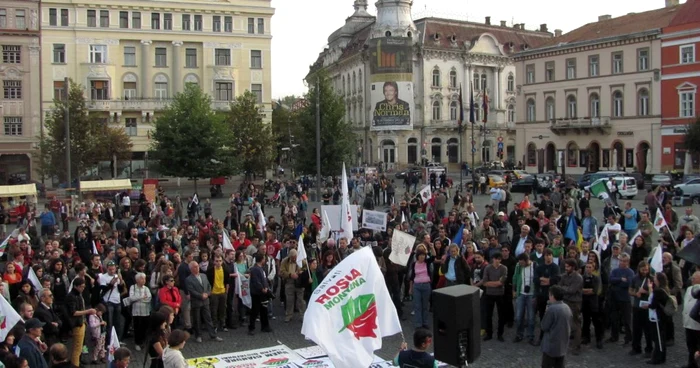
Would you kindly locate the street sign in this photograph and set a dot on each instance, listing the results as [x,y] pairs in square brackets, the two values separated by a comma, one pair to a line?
[473,143]
[500,145]
[500,139]
[473,150]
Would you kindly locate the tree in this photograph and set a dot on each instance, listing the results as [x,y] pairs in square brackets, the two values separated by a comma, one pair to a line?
[691,141]
[252,139]
[91,141]
[337,137]
[189,138]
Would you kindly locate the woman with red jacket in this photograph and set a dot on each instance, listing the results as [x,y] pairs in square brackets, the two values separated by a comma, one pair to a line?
[169,294]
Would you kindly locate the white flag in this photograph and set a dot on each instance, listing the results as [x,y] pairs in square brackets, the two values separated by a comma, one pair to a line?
[604,239]
[3,245]
[262,222]
[425,194]
[403,217]
[113,345]
[195,199]
[660,221]
[34,279]
[656,262]
[94,248]
[345,214]
[243,289]
[595,245]
[301,252]
[226,241]
[350,312]
[8,318]
[401,247]
[325,228]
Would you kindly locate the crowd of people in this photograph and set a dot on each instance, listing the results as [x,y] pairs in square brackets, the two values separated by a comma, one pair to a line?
[157,276]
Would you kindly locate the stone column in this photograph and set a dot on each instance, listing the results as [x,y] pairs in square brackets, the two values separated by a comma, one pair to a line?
[498,88]
[177,66]
[145,67]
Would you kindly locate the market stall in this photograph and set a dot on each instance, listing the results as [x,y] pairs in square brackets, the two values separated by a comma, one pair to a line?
[106,190]
[15,207]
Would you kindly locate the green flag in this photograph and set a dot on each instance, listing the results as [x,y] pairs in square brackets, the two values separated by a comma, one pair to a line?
[597,188]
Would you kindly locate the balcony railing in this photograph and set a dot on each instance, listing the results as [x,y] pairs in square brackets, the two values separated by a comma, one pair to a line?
[585,124]
[142,104]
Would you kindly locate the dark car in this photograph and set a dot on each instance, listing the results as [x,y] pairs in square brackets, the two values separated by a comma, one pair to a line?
[639,177]
[403,173]
[538,183]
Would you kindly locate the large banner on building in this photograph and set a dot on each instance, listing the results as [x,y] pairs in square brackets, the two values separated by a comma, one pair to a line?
[391,83]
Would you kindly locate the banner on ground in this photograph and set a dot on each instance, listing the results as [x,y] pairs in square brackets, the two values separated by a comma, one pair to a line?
[333,212]
[374,220]
[401,247]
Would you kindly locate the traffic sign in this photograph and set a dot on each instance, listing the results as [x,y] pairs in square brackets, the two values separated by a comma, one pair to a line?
[500,139]
[500,145]
[473,150]
[473,143]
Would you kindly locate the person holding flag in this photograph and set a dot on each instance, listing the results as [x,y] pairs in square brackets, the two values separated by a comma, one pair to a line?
[290,272]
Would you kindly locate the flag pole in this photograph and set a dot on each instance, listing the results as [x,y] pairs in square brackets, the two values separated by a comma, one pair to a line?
[472,121]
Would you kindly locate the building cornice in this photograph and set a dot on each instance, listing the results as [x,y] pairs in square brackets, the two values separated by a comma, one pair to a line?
[191,7]
[469,58]
[684,33]
[55,30]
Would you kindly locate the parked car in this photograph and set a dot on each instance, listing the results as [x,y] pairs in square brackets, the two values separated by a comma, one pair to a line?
[689,190]
[626,186]
[586,179]
[639,177]
[403,173]
[661,180]
[538,183]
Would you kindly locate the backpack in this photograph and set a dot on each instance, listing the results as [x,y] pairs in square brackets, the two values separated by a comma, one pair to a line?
[671,305]
[639,217]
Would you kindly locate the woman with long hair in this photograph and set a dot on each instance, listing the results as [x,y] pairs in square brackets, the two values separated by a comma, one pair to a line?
[157,338]
[26,295]
[660,296]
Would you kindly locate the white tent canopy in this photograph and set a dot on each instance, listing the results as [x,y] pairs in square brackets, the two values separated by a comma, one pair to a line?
[17,190]
[105,185]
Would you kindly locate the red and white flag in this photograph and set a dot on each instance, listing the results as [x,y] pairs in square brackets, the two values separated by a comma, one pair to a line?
[659,221]
[8,318]
[113,345]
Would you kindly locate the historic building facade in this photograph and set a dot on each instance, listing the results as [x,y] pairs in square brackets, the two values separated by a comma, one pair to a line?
[20,103]
[446,55]
[132,58]
[680,78]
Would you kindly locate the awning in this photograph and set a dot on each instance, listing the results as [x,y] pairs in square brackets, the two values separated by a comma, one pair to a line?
[105,185]
[17,190]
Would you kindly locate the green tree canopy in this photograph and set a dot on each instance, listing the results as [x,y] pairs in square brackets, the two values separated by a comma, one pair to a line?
[190,139]
[337,137]
[252,140]
[691,140]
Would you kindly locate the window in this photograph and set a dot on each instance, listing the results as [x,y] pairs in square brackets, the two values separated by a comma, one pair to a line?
[643,102]
[224,91]
[98,54]
[129,56]
[3,18]
[59,90]
[99,90]
[190,58]
[571,107]
[483,82]
[136,20]
[185,22]
[64,17]
[453,79]
[617,104]
[20,22]
[436,77]
[477,81]
[123,19]
[13,125]
[161,57]
[168,21]
[687,54]
[549,108]
[642,59]
[11,54]
[92,18]
[454,110]
[572,155]
[531,155]
[251,25]
[129,90]
[595,106]
[255,59]
[617,66]
[530,74]
[571,69]
[155,20]
[511,114]
[511,83]
[228,24]
[131,127]
[687,104]
[104,18]
[360,81]
[437,113]
[222,57]
[216,23]
[161,90]
[531,117]
[257,90]
[549,71]
[197,22]
[59,53]
[53,17]
[261,26]
[12,89]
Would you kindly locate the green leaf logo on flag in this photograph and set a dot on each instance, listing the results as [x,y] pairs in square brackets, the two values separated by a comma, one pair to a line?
[360,316]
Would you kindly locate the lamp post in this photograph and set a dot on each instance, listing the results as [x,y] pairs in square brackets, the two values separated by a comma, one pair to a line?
[318,139]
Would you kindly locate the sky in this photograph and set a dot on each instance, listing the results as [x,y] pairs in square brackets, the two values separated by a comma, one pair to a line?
[300,28]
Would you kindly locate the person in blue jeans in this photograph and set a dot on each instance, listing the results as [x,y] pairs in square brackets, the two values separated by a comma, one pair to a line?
[419,275]
[524,291]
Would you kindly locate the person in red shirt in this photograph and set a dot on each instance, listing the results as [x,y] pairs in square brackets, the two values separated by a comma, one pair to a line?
[241,243]
[272,244]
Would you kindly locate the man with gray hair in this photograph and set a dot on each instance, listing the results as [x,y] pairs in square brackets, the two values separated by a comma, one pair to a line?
[46,313]
[200,290]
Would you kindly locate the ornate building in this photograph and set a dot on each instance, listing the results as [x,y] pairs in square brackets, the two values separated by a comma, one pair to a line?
[445,54]
[133,57]
[19,75]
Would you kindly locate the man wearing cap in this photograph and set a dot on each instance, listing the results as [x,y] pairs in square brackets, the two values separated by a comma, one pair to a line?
[30,346]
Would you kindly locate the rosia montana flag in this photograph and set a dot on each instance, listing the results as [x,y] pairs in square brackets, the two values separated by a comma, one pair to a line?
[350,312]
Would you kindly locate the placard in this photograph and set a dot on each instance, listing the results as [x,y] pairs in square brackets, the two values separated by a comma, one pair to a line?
[374,220]
[278,356]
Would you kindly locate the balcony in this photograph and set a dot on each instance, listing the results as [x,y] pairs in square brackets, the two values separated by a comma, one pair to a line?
[141,104]
[586,125]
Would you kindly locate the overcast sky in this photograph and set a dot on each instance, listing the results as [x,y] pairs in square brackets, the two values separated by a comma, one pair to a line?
[300,28]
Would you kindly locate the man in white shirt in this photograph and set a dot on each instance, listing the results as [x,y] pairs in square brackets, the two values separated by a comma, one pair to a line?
[110,285]
[692,327]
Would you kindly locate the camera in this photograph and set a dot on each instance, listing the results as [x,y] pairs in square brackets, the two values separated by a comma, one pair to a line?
[526,289]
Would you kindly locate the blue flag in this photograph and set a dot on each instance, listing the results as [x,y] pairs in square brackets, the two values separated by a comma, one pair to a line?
[472,106]
[571,229]
[458,238]
[298,231]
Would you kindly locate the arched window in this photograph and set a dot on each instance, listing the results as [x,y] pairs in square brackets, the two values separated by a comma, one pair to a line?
[160,87]
[571,107]
[436,150]
[483,82]
[436,110]
[531,117]
[643,102]
[618,105]
[511,83]
[594,105]
[412,150]
[344,86]
[453,79]
[453,150]
[572,154]
[531,155]
[549,108]
[354,82]
[436,77]
[349,85]
[454,110]
[360,81]
[477,82]
[511,114]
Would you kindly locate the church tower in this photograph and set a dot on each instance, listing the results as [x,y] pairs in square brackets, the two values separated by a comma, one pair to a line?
[394,20]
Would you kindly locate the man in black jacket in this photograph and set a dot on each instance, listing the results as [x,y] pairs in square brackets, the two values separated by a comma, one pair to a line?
[75,305]
[259,291]
[218,276]
[45,313]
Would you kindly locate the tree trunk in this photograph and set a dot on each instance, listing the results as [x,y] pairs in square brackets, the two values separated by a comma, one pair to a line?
[195,185]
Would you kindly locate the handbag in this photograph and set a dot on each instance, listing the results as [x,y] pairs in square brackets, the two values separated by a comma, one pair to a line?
[671,305]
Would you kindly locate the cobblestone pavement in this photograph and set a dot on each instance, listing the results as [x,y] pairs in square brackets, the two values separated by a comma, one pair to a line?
[493,353]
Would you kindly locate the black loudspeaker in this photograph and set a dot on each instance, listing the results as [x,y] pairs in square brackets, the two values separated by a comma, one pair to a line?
[457,324]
